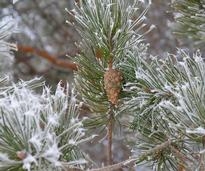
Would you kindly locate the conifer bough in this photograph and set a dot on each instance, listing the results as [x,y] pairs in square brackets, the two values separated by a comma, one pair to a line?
[108,33]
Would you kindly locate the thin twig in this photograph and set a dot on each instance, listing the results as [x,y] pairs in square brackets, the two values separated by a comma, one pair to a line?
[45,55]
[115,166]
[134,159]
[131,160]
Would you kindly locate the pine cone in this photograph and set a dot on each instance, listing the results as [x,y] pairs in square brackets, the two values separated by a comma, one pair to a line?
[112,82]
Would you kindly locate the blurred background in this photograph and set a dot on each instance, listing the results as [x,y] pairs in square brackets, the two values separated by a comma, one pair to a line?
[46,46]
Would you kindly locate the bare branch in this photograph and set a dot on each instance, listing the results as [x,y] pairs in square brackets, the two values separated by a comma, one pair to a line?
[45,55]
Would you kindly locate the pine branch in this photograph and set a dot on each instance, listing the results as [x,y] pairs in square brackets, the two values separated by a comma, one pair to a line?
[167,100]
[107,37]
[107,32]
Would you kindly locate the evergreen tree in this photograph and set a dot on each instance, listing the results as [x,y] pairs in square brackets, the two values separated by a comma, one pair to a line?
[107,28]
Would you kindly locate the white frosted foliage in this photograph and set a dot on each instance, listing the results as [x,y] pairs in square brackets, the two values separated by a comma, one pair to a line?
[28,161]
[52,155]
[41,123]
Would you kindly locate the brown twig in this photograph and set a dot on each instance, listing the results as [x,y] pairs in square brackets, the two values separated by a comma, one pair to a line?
[115,166]
[45,55]
[110,113]
[131,160]
[134,159]
[110,132]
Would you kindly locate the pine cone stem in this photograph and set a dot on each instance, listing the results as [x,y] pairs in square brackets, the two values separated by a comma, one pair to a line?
[110,64]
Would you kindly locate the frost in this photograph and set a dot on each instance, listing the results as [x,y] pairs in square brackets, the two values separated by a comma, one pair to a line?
[81,130]
[36,141]
[178,15]
[198,130]
[143,1]
[182,63]
[41,122]
[28,161]
[53,155]
[72,142]
[152,27]
[185,86]
[168,87]
[76,162]
[53,120]
[165,103]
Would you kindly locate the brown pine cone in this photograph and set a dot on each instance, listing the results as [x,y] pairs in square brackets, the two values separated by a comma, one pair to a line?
[112,84]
